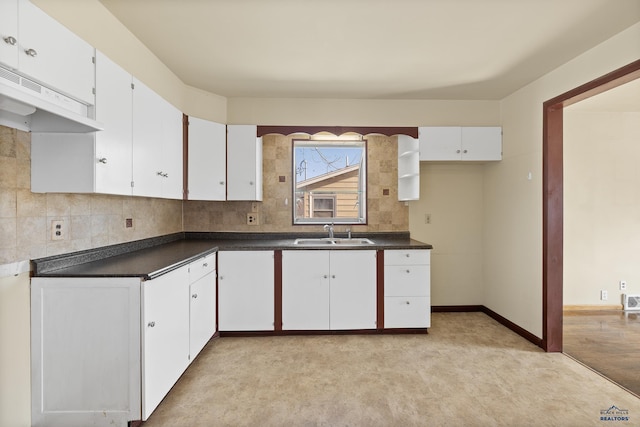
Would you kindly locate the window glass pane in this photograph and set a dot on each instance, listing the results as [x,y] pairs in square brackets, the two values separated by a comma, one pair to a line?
[330,181]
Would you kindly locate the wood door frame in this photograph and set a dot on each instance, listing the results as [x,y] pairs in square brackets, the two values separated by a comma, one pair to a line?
[552,204]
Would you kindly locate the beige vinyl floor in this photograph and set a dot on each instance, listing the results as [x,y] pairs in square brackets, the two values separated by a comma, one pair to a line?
[468,371]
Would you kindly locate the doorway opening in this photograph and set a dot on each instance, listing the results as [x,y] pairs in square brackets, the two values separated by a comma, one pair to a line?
[552,170]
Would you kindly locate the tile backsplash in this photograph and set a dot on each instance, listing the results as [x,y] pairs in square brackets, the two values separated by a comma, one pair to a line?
[385,212]
[93,220]
[89,220]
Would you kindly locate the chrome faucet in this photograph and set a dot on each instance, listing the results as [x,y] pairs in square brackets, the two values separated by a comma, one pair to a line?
[329,228]
[348,232]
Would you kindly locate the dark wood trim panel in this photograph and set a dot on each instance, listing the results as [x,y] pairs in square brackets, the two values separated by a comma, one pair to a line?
[380,289]
[185,157]
[515,328]
[456,308]
[277,321]
[552,221]
[238,334]
[338,130]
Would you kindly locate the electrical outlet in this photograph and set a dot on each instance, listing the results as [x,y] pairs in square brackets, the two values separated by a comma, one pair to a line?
[604,295]
[252,218]
[57,229]
[623,285]
[128,223]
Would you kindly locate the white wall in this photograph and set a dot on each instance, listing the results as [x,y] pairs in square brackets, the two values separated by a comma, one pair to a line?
[513,204]
[452,194]
[601,205]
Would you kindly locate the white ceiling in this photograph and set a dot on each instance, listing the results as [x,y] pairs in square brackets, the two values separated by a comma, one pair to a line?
[370,49]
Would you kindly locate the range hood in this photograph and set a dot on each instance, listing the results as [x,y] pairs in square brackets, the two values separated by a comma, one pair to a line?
[29,106]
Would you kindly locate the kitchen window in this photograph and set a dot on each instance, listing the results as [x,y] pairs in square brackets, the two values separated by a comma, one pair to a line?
[330,181]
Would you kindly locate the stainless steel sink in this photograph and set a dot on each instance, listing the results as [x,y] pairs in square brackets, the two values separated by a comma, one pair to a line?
[325,241]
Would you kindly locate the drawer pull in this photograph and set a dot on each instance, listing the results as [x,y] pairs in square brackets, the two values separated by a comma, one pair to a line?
[194,296]
[408,255]
[205,265]
[151,324]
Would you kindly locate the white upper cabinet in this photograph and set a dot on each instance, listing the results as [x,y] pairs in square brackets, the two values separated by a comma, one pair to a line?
[157,145]
[207,162]
[98,162]
[9,33]
[113,144]
[460,143]
[39,47]
[408,168]
[244,163]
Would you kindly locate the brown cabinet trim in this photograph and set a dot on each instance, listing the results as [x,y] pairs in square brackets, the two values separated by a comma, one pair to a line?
[338,130]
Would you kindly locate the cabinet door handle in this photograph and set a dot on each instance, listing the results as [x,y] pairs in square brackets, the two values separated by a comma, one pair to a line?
[205,265]
[102,160]
[151,324]
[333,276]
[464,151]
[408,271]
[250,182]
[194,296]
[10,40]
[325,276]
[31,52]
[457,151]
[408,303]
[221,182]
[221,277]
[408,255]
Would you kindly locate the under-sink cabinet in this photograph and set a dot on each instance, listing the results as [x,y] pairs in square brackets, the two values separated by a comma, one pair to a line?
[328,289]
[105,351]
[407,290]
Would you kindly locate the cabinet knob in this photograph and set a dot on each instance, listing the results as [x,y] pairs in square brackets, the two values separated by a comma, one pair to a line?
[194,296]
[221,182]
[151,324]
[325,276]
[250,182]
[159,173]
[408,303]
[205,264]
[408,255]
[10,40]
[457,151]
[31,52]
[221,277]
[102,160]
[408,271]
[464,151]
[333,276]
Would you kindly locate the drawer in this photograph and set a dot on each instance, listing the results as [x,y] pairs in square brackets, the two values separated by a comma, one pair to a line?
[407,257]
[201,267]
[407,312]
[407,280]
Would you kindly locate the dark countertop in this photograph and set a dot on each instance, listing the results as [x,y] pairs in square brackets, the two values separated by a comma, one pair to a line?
[150,258]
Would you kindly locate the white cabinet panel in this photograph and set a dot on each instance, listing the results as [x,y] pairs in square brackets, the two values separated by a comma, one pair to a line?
[305,290]
[114,110]
[157,145]
[353,289]
[165,345]
[323,289]
[244,163]
[202,314]
[59,58]
[407,288]
[407,312]
[245,290]
[207,160]
[455,143]
[85,341]
[9,33]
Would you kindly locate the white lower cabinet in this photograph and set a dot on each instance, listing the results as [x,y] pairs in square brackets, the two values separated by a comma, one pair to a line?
[246,290]
[105,351]
[165,337]
[328,289]
[407,289]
